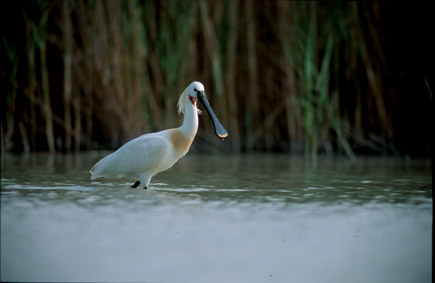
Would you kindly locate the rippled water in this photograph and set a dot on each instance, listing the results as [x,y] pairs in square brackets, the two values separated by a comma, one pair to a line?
[245,218]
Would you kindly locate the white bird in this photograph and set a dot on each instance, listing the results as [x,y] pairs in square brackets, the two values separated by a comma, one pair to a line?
[147,155]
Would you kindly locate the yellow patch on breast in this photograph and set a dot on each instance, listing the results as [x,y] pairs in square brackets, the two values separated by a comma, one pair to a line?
[180,142]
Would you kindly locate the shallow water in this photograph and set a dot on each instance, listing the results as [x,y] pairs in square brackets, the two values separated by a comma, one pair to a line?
[244,218]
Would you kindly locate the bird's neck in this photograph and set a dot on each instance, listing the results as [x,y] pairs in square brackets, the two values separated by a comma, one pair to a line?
[190,124]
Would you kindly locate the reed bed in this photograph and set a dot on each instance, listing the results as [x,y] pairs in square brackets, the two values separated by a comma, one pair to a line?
[297,77]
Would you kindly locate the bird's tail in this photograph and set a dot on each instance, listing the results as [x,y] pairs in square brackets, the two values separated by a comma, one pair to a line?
[96,171]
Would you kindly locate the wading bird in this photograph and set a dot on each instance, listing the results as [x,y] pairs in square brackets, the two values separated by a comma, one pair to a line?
[145,156]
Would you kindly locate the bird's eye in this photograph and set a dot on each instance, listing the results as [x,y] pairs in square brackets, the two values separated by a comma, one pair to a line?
[195,89]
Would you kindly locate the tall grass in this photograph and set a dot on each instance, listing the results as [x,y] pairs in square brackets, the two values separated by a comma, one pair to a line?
[299,77]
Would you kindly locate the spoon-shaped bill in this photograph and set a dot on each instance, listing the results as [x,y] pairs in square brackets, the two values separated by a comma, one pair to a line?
[218,128]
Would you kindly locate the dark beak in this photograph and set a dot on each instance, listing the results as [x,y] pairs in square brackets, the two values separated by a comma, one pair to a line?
[218,128]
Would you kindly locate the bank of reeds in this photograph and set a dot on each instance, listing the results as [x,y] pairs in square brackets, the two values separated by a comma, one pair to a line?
[299,77]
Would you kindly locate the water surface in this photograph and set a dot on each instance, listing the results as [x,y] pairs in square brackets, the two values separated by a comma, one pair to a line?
[244,218]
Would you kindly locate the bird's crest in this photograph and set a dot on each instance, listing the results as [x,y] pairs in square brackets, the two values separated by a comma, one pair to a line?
[182,102]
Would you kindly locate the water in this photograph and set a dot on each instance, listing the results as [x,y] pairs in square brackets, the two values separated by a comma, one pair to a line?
[254,218]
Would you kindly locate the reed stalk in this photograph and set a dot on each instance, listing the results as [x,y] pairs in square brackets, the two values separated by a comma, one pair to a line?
[67,76]
[39,35]
[252,106]
[230,20]
[10,99]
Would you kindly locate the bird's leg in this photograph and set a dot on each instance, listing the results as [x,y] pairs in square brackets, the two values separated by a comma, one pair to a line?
[145,180]
[135,185]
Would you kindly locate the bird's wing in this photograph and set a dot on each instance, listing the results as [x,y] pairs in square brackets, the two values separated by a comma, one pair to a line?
[139,155]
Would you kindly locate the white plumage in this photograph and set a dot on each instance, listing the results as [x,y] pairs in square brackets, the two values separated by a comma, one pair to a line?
[145,156]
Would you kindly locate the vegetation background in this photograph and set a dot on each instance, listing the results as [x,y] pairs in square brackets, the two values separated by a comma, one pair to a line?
[296,77]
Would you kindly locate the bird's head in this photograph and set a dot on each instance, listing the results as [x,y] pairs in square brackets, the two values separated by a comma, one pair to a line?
[190,94]
[194,92]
